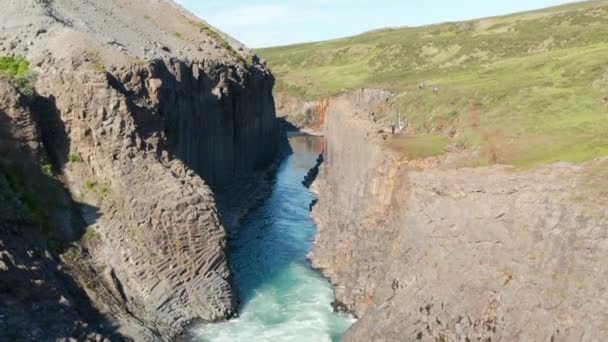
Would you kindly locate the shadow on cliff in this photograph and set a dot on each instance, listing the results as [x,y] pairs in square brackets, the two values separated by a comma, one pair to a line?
[39,300]
[218,122]
[52,131]
[215,128]
[219,125]
[288,126]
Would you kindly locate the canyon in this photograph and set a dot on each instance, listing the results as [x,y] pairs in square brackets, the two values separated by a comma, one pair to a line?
[148,191]
[462,193]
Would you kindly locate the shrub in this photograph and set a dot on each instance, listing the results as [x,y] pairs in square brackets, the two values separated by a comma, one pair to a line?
[90,235]
[74,157]
[47,169]
[89,185]
[14,66]
[93,56]
[17,71]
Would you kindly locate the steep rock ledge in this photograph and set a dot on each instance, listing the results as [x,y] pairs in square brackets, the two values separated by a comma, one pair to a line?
[142,138]
[39,300]
[139,134]
[458,254]
[310,115]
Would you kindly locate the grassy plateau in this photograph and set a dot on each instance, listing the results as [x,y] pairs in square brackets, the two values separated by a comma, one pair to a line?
[525,89]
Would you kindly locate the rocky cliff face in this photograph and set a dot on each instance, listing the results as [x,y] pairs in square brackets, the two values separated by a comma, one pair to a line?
[301,114]
[144,113]
[443,254]
[40,300]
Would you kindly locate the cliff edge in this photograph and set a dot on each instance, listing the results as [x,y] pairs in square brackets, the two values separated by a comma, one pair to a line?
[139,112]
[427,251]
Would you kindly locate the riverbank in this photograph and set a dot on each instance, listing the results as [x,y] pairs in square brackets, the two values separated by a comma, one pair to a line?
[281,296]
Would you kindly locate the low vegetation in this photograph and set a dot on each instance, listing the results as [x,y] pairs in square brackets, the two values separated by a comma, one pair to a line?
[46,166]
[418,146]
[74,157]
[17,70]
[89,185]
[526,89]
[104,189]
[90,235]
[93,57]
[32,204]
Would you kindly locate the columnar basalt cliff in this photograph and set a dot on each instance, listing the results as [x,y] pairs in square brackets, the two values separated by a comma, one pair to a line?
[448,254]
[142,112]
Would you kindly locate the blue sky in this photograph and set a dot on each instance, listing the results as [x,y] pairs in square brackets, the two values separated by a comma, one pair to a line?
[262,23]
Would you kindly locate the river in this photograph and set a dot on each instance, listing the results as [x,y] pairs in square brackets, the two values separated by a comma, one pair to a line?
[282,298]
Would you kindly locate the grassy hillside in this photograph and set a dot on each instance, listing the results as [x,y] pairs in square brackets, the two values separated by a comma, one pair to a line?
[525,89]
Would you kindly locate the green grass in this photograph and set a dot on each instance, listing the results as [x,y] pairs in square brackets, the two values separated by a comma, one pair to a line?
[418,146]
[526,89]
[17,70]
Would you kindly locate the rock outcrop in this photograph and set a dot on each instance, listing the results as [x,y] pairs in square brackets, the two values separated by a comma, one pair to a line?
[144,113]
[448,254]
[39,298]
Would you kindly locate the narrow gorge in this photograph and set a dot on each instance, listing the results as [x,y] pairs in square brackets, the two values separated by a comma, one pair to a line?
[281,296]
[433,183]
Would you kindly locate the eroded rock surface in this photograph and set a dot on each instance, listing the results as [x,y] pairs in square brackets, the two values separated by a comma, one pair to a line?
[39,300]
[143,111]
[484,254]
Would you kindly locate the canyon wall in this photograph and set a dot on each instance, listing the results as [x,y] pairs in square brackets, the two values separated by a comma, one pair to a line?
[301,114]
[449,254]
[141,114]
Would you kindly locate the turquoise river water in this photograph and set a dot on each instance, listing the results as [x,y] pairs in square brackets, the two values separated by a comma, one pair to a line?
[282,298]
